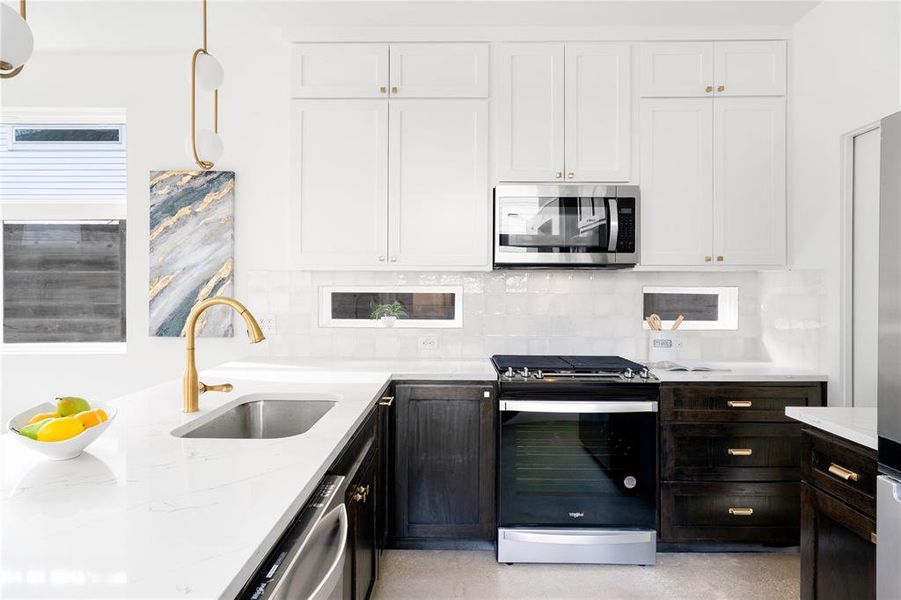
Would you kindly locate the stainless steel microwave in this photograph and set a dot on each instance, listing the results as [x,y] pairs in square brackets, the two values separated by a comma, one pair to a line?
[566,225]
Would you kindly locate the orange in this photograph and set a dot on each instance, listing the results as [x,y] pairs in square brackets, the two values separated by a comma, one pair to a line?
[42,416]
[90,418]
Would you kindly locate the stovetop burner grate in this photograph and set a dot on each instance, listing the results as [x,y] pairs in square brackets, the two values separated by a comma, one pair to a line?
[579,364]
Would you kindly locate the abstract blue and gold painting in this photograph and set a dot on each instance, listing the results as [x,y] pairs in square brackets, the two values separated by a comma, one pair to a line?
[192,249]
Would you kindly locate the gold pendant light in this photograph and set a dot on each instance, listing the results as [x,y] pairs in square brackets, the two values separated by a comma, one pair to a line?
[16,41]
[206,70]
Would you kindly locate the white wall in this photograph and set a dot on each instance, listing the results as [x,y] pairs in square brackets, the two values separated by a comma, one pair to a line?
[845,73]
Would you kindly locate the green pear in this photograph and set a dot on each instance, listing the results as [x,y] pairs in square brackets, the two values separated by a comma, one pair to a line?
[31,431]
[71,405]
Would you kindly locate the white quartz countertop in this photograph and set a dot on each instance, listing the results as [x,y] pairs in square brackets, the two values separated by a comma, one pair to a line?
[856,424]
[144,514]
[740,371]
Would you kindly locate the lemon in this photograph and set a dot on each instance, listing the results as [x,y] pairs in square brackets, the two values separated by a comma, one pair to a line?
[57,430]
[70,405]
[42,416]
[90,418]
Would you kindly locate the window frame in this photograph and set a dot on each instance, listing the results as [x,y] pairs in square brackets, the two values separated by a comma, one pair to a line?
[727,307]
[325,306]
[58,145]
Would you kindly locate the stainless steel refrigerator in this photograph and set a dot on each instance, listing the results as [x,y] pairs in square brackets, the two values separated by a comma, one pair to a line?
[888,487]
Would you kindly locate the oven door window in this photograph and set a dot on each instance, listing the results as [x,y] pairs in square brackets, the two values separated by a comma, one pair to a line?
[553,225]
[578,470]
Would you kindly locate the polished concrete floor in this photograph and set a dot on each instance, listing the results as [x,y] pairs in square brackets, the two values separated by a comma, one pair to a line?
[433,574]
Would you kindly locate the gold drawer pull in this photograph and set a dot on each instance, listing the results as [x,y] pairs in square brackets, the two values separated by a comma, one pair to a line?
[386,401]
[740,403]
[741,512]
[846,474]
[740,451]
[873,537]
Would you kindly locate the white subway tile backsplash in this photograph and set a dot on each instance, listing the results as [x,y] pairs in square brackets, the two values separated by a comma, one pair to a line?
[520,312]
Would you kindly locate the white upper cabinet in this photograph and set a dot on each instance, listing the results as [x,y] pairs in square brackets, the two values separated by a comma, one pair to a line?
[339,70]
[749,68]
[439,195]
[598,112]
[340,182]
[676,181]
[749,181]
[530,112]
[439,70]
[676,69]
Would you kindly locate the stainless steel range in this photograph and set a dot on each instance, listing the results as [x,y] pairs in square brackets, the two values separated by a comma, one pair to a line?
[578,460]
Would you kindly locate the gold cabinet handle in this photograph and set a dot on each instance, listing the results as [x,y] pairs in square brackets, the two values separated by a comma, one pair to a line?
[570,175]
[719,259]
[740,451]
[383,90]
[393,259]
[558,175]
[708,258]
[721,88]
[741,512]
[486,394]
[386,401]
[381,259]
[842,472]
[393,89]
[873,537]
[361,494]
[739,403]
[708,89]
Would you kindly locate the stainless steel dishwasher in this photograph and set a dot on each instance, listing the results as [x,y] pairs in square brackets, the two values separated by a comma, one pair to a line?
[308,562]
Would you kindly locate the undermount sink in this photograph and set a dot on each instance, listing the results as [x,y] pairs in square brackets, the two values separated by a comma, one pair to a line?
[259,418]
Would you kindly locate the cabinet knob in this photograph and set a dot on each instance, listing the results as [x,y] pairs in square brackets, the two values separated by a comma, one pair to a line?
[708,89]
[393,259]
[721,88]
[383,90]
[559,174]
[708,258]
[570,175]
[394,89]
[719,259]
[381,259]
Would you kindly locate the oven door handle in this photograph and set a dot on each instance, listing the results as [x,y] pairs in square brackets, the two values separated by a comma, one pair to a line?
[537,406]
[614,225]
[577,538]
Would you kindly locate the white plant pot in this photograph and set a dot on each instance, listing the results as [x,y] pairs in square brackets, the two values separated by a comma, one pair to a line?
[388,321]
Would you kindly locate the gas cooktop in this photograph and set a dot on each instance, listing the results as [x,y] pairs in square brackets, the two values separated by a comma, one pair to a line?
[511,367]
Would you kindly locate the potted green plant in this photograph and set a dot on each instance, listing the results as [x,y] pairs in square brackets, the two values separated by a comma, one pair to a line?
[388,313]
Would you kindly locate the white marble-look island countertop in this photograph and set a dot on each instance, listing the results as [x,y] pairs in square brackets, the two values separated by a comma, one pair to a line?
[855,424]
[144,514]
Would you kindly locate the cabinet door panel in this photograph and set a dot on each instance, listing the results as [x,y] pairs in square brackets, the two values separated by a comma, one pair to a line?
[339,70]
[749,181]
[598,112]
[439,195]
[676,165]
[749,68]
[530,112]
[445,456]
[676,69]
[439,70]
[340,189]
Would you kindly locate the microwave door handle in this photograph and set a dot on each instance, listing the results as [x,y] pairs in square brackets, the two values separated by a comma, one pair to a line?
[614,225]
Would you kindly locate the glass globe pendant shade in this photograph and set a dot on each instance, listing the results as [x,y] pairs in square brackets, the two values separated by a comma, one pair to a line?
[210,74]
[16,39]
[209,146]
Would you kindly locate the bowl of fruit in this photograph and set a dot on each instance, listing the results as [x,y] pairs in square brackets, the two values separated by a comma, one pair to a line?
[62,430]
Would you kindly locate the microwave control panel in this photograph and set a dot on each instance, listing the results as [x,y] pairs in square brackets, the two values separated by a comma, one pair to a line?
[626,212]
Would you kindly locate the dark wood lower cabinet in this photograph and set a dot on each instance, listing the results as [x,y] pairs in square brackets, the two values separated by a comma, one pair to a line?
[444,466]
[361,501]
[838,527]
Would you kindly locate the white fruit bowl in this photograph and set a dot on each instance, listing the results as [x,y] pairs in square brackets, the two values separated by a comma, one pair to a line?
[65,449]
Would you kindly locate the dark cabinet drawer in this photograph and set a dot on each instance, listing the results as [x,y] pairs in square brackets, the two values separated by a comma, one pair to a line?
[731,451]
[763,513]
[845,470]
[744,402]
[838,550]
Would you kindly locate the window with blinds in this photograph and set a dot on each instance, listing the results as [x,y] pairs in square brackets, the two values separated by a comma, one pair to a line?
[62,163]
[63,187]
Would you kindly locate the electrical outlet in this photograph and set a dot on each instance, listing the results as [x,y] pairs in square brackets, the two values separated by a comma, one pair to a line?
[268,323]
[428,342]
